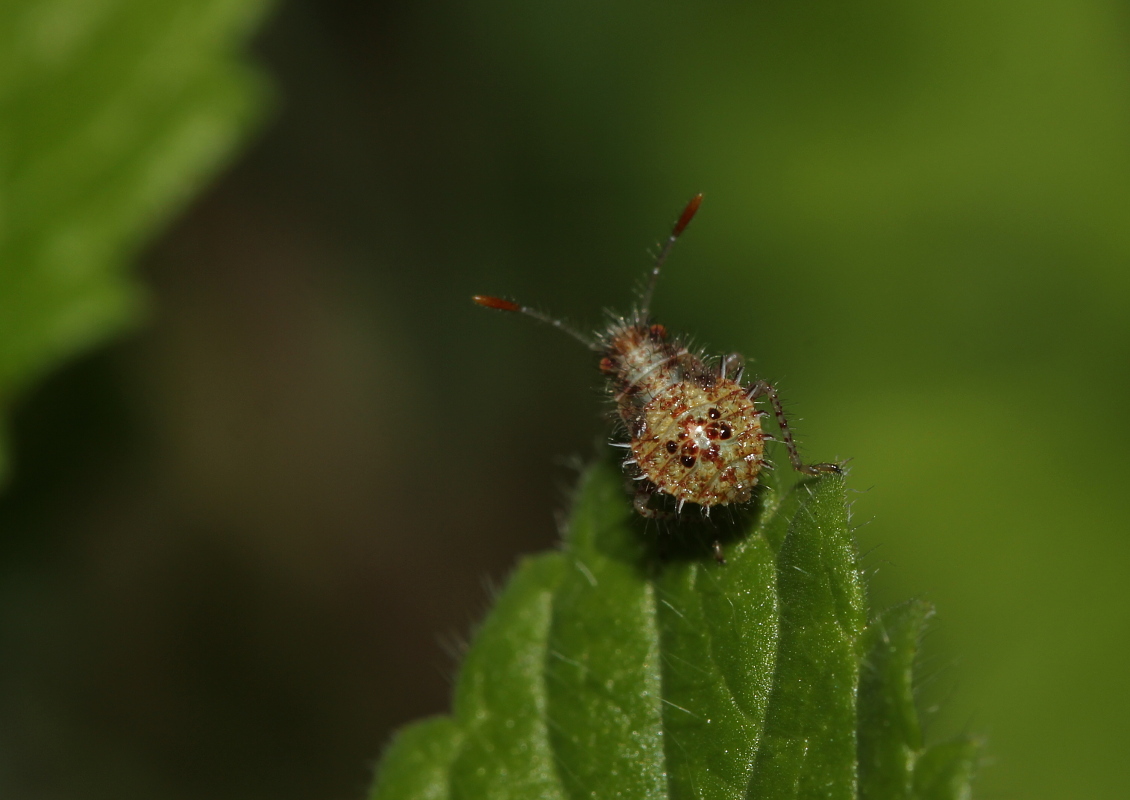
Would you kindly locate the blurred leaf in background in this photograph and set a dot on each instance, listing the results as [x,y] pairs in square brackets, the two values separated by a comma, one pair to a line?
[113,114]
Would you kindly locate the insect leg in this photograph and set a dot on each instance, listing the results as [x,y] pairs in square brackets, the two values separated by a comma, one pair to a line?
[732,362]
[640,503]
[763,388]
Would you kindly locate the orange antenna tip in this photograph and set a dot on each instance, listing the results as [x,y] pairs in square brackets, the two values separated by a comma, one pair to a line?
[687,215]
[486,301]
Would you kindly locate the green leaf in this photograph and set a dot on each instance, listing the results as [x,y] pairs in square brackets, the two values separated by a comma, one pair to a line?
[113,113]
[418,761]
[501,697]
[810,735]
[632,664]
[944,771]
[889,735]
[893,764]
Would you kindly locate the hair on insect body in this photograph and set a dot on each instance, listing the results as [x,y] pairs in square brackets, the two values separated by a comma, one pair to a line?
[694,430]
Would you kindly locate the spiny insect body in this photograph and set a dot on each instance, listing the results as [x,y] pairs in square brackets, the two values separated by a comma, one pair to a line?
[694,428]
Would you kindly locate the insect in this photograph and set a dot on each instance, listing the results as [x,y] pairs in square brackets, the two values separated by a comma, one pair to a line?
[694,429]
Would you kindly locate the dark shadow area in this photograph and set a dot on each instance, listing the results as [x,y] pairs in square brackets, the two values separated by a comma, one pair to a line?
[692,535]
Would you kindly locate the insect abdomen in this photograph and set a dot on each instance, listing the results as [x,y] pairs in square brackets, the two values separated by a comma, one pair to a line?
[701,444]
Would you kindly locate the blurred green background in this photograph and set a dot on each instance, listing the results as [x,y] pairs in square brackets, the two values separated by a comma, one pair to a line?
[242,545]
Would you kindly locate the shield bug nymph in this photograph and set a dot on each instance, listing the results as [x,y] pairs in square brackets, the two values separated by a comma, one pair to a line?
[694,429]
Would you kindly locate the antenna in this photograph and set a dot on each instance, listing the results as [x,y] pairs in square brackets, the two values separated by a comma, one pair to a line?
[497,303]
[680,226]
